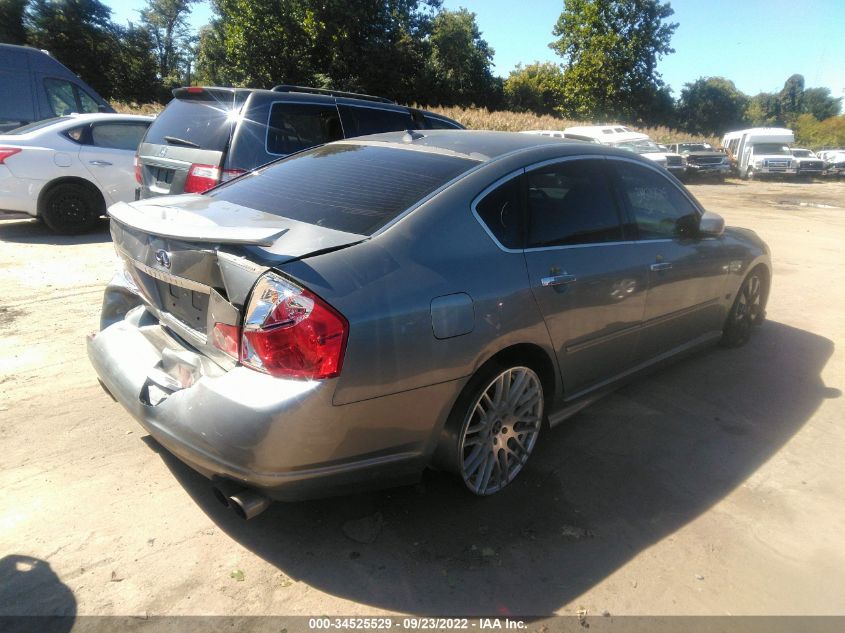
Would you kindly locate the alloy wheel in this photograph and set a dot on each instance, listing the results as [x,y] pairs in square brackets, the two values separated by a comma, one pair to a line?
[501,429]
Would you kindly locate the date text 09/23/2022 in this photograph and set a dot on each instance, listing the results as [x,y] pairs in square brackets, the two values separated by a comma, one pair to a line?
[412,623]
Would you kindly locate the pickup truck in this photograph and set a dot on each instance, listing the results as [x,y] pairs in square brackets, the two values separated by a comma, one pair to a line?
[702,159]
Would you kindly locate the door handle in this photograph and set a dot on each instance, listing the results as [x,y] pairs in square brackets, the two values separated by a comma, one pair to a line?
[661,266]
[558,280]
[100,163]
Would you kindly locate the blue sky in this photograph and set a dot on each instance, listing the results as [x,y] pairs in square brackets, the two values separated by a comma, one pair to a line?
[755,43]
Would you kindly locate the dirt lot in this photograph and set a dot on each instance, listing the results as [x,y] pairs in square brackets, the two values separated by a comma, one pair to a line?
[713,487]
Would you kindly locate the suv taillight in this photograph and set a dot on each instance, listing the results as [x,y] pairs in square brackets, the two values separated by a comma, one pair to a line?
[5,152]
[203,177]
[137,169]
[290,332]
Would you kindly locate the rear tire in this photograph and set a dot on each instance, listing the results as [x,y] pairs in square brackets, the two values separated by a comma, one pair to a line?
[748,309]
[70,209]
[496,422]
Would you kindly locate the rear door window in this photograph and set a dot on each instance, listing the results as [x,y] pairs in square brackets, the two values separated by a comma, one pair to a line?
[571,203]
[362,120]
[352,188]
[297,126]
[204,123]
[118,135]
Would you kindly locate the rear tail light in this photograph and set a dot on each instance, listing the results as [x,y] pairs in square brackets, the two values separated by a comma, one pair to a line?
[137,169]
[290,332]
[203,177]
[5,152]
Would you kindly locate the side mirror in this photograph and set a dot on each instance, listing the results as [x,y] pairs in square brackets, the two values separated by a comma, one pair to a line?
[711,225]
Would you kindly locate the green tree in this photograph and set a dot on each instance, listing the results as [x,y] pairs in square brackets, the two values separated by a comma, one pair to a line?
[712,106]
[211,63]
[377,46]
[460,60]
[610,50]
[819,103]
[267,42]
[133,76]
[536,88]
[12,30]
[167,22]
[764,110]
[815,134]
[791,98]
[80,34]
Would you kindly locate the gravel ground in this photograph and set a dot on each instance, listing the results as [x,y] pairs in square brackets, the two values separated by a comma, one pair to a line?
[712,487]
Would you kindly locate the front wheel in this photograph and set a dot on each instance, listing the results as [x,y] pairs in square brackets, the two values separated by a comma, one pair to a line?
[747,311]
[502,418]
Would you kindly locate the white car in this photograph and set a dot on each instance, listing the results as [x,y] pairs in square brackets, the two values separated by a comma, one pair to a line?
[67,170]
[834,160]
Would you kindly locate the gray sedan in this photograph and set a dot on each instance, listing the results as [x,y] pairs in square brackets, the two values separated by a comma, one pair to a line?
[355,313]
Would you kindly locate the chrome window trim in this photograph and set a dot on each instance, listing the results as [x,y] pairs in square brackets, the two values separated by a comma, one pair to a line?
[487,190]
[560,159]
[456,179]
[525,170]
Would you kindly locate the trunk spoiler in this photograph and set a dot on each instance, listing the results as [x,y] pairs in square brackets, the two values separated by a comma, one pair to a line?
[198,231]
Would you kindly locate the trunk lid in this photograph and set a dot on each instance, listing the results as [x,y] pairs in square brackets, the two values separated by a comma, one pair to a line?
[195,259]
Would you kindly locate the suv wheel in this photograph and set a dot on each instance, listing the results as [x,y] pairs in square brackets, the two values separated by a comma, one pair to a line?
[70,209]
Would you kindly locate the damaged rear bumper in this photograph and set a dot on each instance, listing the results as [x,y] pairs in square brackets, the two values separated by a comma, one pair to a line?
[282,437]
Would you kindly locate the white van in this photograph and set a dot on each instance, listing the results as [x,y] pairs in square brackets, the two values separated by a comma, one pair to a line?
[34,86]
[762,151]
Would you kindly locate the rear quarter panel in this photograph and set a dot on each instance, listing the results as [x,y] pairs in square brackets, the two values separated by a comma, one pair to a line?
[385,287]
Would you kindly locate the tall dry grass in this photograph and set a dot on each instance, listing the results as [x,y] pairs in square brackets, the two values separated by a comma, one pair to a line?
[484,119]
[124,107]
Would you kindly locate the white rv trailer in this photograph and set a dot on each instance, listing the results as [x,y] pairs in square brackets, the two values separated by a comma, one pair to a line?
[762,151]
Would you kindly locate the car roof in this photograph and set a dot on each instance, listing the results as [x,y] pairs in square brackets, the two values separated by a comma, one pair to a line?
[105,116]
[481,145]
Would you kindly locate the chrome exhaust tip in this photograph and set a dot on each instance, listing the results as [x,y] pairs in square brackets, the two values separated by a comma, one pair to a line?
[223,489]
[248,504]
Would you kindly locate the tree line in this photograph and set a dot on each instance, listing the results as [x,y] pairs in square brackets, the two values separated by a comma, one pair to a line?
[414,51]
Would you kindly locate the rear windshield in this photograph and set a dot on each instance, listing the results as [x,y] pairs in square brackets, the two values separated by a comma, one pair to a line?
[352,188]
[206,124]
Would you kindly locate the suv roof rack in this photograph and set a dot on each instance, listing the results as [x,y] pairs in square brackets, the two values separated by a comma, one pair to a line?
[330,93]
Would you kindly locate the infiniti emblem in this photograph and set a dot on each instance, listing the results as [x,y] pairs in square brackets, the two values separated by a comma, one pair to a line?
[163,258]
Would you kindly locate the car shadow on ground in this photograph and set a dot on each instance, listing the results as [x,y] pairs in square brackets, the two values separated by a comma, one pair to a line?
[28,584]
[608,483]
[25,230]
